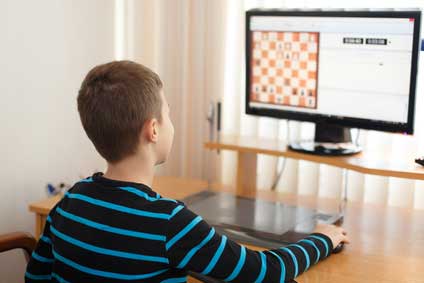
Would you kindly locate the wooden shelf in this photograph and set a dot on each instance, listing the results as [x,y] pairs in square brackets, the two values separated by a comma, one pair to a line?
[373,161]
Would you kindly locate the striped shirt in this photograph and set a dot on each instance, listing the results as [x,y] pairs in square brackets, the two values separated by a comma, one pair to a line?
[113,231]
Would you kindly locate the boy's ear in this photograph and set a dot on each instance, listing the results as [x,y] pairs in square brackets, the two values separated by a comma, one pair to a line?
[151,130]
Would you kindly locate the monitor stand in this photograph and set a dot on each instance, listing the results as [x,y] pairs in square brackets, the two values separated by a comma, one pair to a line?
[329,140]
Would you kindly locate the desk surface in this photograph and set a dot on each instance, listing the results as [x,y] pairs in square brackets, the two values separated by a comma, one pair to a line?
[387,243]
[375,161]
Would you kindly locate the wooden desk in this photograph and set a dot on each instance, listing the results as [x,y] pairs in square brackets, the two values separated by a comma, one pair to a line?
[371,161]
[387,243]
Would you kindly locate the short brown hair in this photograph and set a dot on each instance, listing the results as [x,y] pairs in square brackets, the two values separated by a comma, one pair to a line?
[114,102]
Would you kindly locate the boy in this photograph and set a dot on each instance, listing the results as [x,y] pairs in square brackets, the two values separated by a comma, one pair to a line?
[113,227]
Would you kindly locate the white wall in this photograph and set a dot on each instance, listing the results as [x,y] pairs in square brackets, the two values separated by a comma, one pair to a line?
[46,48]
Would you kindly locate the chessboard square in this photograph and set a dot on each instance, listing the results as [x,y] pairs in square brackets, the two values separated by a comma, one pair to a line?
[294,82]
[311,84]
[287,73]
[257,35]
[272,63]
[272,82]
[296,36]
[302,102]
[312,56]
[264,71]
[264,63]
[295,65]
[312,66]
[302,65]
[288,36]
[264,80]
[279,80]
[304,37]
[312,47]
[303,74]
[256,71]
[256,79]
[303,56]
[264,97]
[295,46]
[302,83]
[295,73]
[303,46]
[264,53]
[279,99]
[312,75]
[273,36]
[310,102]
[256,88]
[279,72]
[272,72]
[287,90]
[280,63]
[279,89]
[294,100]
[256,54]
[295,56]
[265,45]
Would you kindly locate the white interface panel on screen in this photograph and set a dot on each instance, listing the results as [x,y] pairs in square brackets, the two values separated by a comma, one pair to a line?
[349,67]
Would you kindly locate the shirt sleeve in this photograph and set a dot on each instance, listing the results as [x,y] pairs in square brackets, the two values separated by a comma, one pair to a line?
[39,268]
[193,245]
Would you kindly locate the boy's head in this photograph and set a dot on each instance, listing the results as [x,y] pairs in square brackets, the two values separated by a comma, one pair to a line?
[124,112]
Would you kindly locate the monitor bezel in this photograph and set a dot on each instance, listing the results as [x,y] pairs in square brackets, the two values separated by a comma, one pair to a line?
[369,124]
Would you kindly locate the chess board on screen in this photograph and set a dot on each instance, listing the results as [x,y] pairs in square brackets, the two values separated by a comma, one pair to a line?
[284,68]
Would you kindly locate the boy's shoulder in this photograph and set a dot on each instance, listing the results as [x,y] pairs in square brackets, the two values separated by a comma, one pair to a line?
[134,196]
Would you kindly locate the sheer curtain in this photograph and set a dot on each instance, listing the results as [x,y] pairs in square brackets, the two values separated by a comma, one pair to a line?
[303,177]
[197,47]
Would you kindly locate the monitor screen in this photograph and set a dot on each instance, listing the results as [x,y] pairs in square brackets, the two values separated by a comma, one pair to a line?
[356,69]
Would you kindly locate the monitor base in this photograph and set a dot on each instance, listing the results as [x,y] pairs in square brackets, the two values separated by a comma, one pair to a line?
[329,140]
[329,149]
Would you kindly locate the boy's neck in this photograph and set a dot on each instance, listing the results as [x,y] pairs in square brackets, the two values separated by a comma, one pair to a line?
[132,170]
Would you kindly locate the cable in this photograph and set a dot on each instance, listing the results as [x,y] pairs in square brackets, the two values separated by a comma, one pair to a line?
[283,165]
[358,133]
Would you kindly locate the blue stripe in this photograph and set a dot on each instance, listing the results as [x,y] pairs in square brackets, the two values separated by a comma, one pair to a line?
[239,265]
[88,180]
[308,263]
[263,268]
[38,277]
[49,219]
[296,268]
[183,232]
[216,257]
[282,265]
[194,250]
[111,229]
[46,239]
[322,240]
[104,251]
[175,280]
[58,278]
[175,211]
[117,207]
[144,195]
[41,258]
[106,274]
[316,248]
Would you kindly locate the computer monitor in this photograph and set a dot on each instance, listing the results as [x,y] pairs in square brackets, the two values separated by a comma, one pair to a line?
[339,69]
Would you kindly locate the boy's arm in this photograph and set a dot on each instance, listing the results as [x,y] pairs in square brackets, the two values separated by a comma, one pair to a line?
[193,245]
[39,268]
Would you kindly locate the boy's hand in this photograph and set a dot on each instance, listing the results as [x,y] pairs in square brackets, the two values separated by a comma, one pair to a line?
[335,233]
